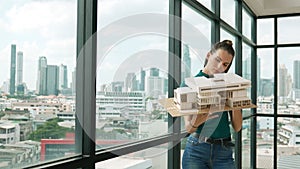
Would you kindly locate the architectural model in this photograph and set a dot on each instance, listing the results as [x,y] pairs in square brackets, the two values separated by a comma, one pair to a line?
[223,89]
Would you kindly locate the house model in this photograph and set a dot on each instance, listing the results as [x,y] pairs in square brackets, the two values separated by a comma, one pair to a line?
[223,89]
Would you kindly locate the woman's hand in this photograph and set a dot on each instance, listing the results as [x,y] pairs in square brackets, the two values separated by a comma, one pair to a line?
[194,121]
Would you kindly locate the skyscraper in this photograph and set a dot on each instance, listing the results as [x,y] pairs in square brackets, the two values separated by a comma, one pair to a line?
[52,80]
[143,75]
[186,63]
[19,68]
[73,86]
[285,81]
[154,71]
[12,70]
[130,82]
[42,76]
[63,77]
[296,77]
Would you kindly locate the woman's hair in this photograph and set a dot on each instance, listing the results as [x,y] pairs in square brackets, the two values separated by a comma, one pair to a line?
[224,45]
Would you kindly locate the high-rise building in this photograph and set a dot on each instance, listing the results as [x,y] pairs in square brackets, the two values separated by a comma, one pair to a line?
[296,72]
[42,76]
[154,86]
[52,80]
[259,89]
[73,86]
[142,76]
[117,86]
[19,68]
[296,79]
[247,68]
[267,87]
[284,81]
[131,83]
[186,63]
[63,77]
[12,83]
[154,71]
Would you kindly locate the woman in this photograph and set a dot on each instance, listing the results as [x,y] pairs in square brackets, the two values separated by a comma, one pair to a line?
[209,145]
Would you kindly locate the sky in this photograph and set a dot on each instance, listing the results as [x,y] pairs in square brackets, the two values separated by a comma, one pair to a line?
[48,28]
[37,28]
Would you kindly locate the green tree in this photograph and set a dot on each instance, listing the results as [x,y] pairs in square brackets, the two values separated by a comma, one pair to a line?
[50,130]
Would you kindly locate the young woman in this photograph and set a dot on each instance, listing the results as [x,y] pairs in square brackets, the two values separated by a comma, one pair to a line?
[209,144]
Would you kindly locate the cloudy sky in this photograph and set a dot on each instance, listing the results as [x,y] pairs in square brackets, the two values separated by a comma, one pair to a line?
[48,28]
[37,28]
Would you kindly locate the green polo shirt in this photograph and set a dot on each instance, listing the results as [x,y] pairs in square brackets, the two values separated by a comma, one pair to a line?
[214,128]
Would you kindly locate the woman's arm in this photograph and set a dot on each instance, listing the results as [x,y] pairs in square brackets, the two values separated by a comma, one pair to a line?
[236,119]
[192,122]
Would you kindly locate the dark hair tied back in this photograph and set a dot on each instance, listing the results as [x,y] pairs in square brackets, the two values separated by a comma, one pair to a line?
[225,45]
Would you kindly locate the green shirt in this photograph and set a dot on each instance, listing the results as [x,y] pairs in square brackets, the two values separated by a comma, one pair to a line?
[214,128]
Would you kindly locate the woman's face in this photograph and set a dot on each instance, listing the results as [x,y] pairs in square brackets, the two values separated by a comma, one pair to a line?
[218,62]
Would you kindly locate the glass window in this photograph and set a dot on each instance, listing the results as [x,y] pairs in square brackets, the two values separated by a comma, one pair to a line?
[265,80]
[246,61]
[196,41]
[246,143]
[132,71]
[287,29]
[225,35]
[247,24]
[287,142]
[206,3]
[288,79]
[265,142]
[228,11]
[265,31]
[37,102]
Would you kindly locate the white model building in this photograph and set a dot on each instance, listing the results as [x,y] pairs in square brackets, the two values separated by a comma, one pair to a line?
[223,88]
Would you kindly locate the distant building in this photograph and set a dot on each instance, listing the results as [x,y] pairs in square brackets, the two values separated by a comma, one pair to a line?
[289,134]
[12,70]
[131,84]
[52,80]
[115,103]
[63,77]
[285,81]
[19,68]
[186,63]
[42,76]
[9,132]
[142,79]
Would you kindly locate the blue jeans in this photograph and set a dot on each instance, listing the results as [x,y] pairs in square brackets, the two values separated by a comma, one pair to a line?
[202,155]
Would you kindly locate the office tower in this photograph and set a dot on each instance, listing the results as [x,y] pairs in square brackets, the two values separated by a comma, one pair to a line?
[296,79]
[154,71]
[142,76]
[117,86]
[52,80]
[186,63]
[63,77]
[73,86]
[42,76]
[131,83]
[284,81]
[12,70]
[247,68]
[154,86]
[296,72]
[19,68]
[267,87]
[259,87]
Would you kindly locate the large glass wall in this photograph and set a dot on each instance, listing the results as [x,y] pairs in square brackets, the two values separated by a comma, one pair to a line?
[37,81]
[132,74]
[132,71]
